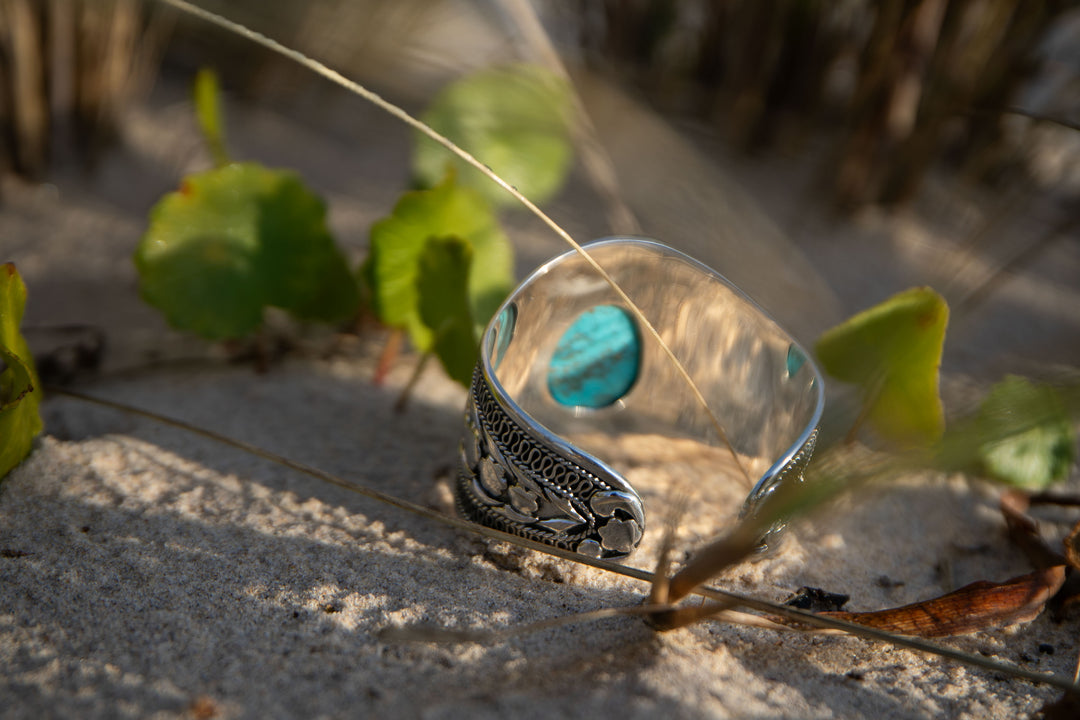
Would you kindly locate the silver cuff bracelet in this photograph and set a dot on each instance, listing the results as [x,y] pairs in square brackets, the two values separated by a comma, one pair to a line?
[565,371]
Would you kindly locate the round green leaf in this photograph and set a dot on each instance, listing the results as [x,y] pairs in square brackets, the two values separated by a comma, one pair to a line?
[397,242]
[236,239]
[515,120]
[20,390]
[893,353]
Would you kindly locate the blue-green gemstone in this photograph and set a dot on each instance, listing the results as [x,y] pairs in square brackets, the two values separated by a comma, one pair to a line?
[504,333]
[596,360]
[795,360]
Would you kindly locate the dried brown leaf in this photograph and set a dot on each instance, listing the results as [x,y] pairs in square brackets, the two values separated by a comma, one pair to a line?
[1069,596]
[973,607]
[1067,707]
[1024,530]
[1072,547]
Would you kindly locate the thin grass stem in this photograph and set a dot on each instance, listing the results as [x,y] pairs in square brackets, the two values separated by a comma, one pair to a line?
[727,597]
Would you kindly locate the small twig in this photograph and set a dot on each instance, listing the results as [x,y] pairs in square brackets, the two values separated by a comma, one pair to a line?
[1031,115]
[406,392]
[389,354]
[1045,498]
[261,351]
[957,289]
[659,593]
[1024,256]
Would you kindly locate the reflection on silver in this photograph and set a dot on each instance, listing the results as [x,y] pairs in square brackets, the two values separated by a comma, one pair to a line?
[535,468]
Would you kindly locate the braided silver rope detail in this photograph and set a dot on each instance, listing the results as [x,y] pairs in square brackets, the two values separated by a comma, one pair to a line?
[513,480]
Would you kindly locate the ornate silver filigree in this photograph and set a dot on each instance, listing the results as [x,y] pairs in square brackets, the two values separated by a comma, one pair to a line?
[513,480]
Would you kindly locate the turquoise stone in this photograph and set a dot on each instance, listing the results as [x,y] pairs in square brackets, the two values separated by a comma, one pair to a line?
[504,333]
[795,360]
[597,359]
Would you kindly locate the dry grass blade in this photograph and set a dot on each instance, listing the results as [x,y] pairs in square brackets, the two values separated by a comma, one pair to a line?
[726,597]
[437,634]
[1009,266]
[425,633]
[672,617]
[660,593]
[978,606]
[594,157]
[828,476]
[377,100]
[667,616]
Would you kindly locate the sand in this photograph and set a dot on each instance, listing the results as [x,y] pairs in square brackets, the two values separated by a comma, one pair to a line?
[145,572]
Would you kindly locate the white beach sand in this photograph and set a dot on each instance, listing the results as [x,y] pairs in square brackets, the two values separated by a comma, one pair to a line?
[145,572]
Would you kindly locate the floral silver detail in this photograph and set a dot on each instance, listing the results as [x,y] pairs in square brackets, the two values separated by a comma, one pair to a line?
[513,480]
[491,477]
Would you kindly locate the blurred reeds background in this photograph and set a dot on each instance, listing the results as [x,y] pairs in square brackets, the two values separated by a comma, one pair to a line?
[899,84]
[67,68]
[895,87]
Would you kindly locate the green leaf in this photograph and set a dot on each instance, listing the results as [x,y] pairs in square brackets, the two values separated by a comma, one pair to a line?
[301,268]
[893,352]
[235,240]
[207,98]
[1028,438]
[516,120]
[443,287]
[20,390]
[398,241]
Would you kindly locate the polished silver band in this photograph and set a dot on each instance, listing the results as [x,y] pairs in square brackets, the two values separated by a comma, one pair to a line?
[560,383]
